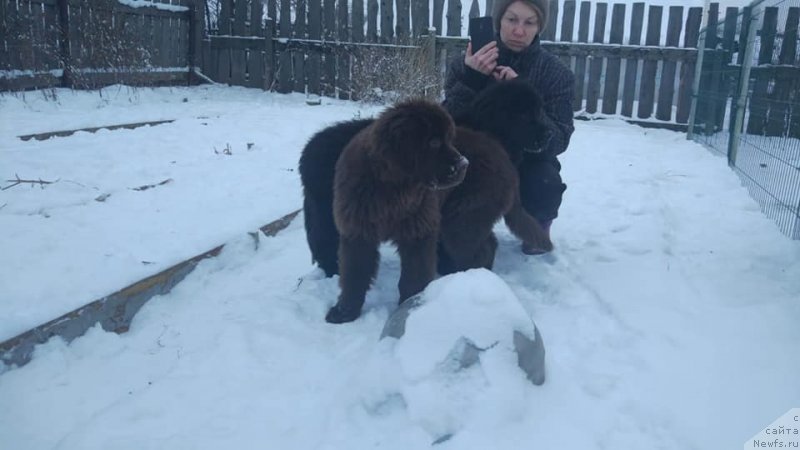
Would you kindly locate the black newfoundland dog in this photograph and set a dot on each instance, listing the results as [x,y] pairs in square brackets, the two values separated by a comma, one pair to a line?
[504,122]
[386,187]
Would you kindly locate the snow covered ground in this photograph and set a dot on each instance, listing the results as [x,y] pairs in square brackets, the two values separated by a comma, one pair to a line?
[669,309]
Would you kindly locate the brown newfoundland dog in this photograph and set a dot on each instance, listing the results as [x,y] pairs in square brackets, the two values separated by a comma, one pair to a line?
[386,187]
[504,120]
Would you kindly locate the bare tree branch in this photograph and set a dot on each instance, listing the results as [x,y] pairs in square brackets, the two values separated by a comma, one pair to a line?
[17,181]
[150,186]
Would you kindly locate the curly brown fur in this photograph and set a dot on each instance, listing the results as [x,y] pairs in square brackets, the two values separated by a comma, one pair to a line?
[386,188]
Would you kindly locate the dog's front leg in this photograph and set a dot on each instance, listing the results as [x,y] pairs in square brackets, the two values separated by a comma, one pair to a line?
[417,265]
[358,263]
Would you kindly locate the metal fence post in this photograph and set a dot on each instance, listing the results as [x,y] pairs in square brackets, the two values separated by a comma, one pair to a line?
[698,72]
[744,85]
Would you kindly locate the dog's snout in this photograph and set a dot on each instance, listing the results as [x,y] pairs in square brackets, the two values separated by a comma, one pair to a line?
[461,164]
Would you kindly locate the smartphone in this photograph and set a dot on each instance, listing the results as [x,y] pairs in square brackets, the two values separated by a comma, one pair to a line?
[481,32]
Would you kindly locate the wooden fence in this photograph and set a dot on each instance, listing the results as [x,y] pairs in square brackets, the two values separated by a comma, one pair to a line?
[635,60]
[86,43]
[773,108]
[318,46]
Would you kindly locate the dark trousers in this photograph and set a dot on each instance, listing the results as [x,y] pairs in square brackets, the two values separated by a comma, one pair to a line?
[540,187]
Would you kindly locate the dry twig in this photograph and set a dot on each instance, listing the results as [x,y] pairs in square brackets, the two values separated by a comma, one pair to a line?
[149,186]
[17,181]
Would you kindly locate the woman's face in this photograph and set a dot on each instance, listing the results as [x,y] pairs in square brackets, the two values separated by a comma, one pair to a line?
[519,25]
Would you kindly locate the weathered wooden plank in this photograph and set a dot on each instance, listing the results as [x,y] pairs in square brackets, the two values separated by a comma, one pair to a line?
[549,33]
[299,58]
[52,36]
[314,61]
[438,16]
[420,17]
[789,44]
[284,84]
[4,29]
[647,88]
[474,9]
[567,27]
[728,75]
[778,120]
[272,13]
[65,53]
[239,17]
[631,64]
[134,78]
[239,57]
[328,80]
[255,58]
[343,58]
[208,62]
[115,311]
[38,44]
[596,62]
[613,64]
[704,112]
[75,37]
[357,30]
[25,82]
[403,23]
[225,15]
[269,53]
[759,106]
[690,39]
[454,17]
[387,22]
[666,89]
[238,43]
[372,21]
[568,21]
[580,61]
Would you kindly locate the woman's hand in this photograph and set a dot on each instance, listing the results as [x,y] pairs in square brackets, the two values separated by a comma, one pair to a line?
[485,60]
[504,73]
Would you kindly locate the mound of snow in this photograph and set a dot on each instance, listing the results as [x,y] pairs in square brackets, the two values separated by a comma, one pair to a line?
[460,345]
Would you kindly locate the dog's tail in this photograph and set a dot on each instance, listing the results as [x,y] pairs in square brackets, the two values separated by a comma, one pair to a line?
[525,227]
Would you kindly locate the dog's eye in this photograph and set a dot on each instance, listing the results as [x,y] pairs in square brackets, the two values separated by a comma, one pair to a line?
[451,170]
[435,143]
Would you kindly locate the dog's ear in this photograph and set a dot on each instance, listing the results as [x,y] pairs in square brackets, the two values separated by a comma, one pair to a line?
[391,139]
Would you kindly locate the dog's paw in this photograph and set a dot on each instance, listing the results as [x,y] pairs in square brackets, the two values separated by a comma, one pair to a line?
[338,314]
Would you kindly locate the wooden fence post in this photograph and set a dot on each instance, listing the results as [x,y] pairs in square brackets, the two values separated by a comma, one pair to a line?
[196,25]
[631,64]
[429,46]
[454,18]
[255,61]
[744,85]
[614,65]
[64,49]
[647,87]
[759,106]
[595,62]
[269,54]
[580,61]
[666,90]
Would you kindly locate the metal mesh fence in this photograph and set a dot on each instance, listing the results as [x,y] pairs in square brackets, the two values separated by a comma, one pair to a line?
[747,102]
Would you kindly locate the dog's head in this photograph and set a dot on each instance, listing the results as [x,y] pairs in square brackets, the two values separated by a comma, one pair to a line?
[413,141]
[512,112]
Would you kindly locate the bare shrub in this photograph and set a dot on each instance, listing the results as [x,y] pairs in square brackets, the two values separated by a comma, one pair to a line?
[388,75]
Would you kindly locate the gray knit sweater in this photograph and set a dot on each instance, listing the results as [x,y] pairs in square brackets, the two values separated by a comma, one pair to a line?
[552,79]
